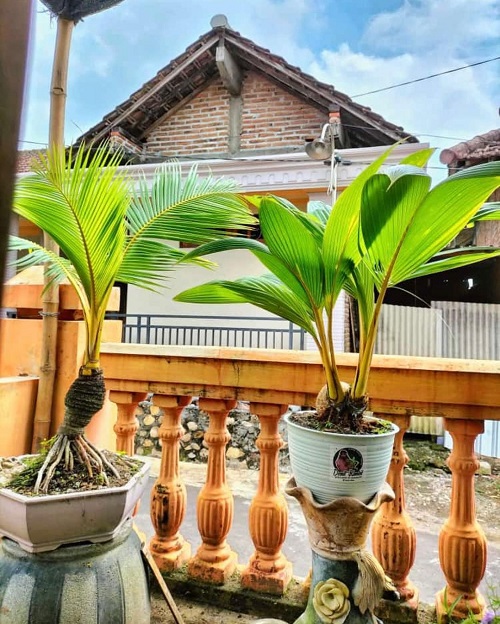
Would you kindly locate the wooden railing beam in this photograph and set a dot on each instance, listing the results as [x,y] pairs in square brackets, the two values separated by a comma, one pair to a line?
[455,389]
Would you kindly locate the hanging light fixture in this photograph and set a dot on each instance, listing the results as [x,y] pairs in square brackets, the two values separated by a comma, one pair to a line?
[323,148]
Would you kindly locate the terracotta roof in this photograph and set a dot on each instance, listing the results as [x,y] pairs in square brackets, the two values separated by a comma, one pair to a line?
[482,147]
[188,74]
[25,159]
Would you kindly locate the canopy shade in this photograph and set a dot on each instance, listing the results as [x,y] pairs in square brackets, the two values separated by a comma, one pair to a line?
[75,10]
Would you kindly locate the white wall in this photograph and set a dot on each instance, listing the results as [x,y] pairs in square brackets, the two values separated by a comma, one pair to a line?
[231,265]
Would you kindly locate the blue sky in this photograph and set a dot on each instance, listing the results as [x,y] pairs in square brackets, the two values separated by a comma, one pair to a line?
[356,45]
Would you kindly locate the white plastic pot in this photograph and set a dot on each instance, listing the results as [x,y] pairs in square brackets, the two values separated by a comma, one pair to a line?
[332,465]
[42,523]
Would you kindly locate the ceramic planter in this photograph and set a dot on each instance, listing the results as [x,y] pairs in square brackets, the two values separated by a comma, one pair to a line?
[332,465]
[104,583]
[43,523]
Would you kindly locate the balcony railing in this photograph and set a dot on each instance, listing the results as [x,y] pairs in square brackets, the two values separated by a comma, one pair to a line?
[464,393]
[255,332]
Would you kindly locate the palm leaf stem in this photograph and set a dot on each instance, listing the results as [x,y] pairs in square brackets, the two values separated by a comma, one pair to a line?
[334,386]
[366,354]
[330,343]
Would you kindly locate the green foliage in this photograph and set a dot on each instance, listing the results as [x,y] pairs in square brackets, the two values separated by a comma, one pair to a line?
[110,231]
[490,616]
[385,228]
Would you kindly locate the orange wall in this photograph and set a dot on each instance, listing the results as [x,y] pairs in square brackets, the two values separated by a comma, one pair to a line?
[17,408]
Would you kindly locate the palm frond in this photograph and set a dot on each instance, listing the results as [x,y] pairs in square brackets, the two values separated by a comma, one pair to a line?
[192,210]
[454,259]
[58,268]
[147,263]
[81,206]
[488,212]
[340,243]
[291,241]
[265,291]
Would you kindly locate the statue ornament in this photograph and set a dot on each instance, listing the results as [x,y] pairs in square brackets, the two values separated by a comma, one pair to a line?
[347,581]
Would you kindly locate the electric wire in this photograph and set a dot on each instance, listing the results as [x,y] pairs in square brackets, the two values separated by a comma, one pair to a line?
[409,82]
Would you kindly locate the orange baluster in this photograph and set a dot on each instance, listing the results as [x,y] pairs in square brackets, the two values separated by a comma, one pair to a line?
[168,496]
[393,534]
[462,544]
[126,425]
[214,561]
[268,570]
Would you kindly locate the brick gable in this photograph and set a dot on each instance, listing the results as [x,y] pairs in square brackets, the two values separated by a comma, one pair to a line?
[200,126]
[271,118]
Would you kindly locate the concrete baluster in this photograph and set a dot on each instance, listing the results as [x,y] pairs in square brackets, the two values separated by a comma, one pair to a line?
[168,496]
[462,544]
[393,534]
[126,425]
[214,561]
[268,570]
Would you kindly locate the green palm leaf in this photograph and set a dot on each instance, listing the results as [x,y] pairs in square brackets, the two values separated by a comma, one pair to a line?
[58,268]
[192,210]
[340,244]
[489,212]
[388,206]
[443,213]
[455,258]
[82,208]
[289,239]
[265,291]
[261,252]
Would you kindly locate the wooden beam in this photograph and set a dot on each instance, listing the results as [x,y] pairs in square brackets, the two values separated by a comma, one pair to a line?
[228,69]
[290,80]
[398,385]
[161,83]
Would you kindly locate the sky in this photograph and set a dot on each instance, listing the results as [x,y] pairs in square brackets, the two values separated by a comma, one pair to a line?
[355,45]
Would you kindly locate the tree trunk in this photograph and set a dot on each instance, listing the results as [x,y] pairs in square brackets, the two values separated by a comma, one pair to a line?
[50,300]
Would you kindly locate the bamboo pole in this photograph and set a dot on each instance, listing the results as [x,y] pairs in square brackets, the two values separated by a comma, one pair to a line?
[50,299]
[15,18]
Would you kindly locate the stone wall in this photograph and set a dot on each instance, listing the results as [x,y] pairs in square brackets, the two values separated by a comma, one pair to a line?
[243,428]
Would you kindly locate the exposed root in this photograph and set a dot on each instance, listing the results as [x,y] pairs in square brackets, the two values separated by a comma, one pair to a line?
[346,414]
[68,450]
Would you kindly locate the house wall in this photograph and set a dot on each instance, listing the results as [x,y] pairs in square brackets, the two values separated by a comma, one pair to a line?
[231,265]
[199,127]
[270,118]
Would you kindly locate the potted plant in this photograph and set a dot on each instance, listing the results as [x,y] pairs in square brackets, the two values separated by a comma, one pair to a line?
[107,232]
[385,228]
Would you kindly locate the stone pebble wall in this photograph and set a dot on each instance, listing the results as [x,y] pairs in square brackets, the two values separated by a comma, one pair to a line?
[243,428]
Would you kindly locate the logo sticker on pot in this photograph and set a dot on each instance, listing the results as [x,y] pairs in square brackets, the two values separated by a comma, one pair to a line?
[347,464]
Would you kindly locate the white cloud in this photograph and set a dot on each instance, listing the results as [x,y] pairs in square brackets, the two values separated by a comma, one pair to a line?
[115,52]
[419,39]
[436,26]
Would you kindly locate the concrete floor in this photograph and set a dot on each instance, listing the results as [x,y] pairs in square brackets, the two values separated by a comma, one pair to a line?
[426,572]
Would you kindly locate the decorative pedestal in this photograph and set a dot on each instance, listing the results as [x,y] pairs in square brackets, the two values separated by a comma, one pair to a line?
[347,581]
[85,583]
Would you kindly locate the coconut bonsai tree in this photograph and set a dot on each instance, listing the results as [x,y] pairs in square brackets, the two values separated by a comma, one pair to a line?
[385,228]
[109,232]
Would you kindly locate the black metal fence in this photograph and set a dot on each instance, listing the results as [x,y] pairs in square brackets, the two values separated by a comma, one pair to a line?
[218,331]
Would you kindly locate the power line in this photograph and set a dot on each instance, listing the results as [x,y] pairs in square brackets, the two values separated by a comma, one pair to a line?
[32,142]
[416,134]
[449,71]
